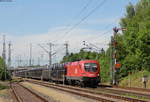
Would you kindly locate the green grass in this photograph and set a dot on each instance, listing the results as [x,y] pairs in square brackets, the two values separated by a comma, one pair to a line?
[135,79]
[3,87]
[16,80]
[136,97]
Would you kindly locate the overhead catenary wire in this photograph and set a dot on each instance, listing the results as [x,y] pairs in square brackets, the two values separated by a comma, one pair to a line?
[77,16]
[85,17]
[97,36]
[81,11]
[103,34]
[65,34]
[84,8]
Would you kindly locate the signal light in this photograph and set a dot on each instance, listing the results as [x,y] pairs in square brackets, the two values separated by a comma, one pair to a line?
[117,65]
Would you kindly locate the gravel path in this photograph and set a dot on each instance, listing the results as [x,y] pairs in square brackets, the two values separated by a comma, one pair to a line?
[5,96]
[59,96]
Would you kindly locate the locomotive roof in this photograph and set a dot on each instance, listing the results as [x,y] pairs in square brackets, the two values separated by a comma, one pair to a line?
[82,61]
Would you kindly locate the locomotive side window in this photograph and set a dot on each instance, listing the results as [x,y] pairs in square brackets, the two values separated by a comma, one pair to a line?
[90,67]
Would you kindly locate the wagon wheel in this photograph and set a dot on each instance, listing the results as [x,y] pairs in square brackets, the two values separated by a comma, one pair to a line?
[69,82]
[82,84]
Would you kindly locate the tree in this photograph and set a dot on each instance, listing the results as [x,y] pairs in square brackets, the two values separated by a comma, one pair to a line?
[136,40]
[3,72]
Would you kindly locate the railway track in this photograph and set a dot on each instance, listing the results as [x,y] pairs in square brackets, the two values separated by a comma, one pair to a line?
[125,88]
[139,94]
[23,94]
[100,96]
[132,88]
[128,91]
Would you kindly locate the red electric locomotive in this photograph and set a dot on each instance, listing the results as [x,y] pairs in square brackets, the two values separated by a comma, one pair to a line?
[84,72]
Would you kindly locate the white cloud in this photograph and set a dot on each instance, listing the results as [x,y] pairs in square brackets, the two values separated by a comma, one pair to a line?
[20,44]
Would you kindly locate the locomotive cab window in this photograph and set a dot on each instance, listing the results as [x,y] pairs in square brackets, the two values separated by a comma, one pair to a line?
[90,67]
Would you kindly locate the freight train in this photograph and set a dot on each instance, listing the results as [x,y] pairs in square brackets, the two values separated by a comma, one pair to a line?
[83,73]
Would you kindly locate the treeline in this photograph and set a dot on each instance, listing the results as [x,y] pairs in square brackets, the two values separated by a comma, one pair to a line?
[133,44]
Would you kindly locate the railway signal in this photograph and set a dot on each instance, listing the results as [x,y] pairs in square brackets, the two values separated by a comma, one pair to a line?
[114,65]
[117,65]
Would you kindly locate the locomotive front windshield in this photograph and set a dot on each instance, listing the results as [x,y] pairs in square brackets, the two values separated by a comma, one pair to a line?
[90,67]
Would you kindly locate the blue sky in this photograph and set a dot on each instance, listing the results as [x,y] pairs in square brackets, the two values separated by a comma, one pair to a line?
[41,21]
[23,17]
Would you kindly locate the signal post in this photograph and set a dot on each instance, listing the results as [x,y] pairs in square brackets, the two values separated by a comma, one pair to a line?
[114,63]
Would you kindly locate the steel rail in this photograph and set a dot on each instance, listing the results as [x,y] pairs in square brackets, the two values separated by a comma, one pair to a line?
[83,90]
[18,97]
